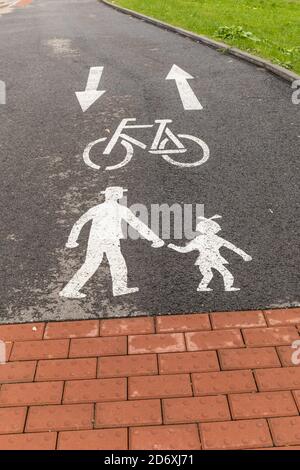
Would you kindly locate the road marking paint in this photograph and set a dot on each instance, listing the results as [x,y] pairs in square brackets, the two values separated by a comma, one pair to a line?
[61,46]
[104,238]
[91,94]
[209,244]
[189,99]
[160,144]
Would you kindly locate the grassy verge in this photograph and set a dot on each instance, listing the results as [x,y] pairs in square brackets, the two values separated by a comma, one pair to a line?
[268,28]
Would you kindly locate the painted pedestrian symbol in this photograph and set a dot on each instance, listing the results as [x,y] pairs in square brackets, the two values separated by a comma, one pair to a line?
[208,244]
[104,238]
[160,145]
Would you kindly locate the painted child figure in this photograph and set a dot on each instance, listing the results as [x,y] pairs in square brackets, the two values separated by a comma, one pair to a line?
[208,244]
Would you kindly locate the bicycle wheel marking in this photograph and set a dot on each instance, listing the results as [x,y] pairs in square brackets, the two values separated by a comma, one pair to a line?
[86,153]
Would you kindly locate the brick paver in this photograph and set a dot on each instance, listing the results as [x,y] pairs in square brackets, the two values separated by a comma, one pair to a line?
[177,323]
[214,340]
[248,358]
[284,316]
[44,349]
[72,329]
[261,405]
[235,435]
[36,441]
[112,439]
[59,417]
[270,336]
[31,393]
[285,431]
[195,409]
[67,369]
[17,372]
[285,356]
[157,343]
[89,391]
[98,347]
[287,378]
[178,363]
[128,413]
[182,436]
[127,326]
[125,366]
[224,380]
[8,349]
[160,386]
[249,319]
[12,420]
[297,397]
[28,331]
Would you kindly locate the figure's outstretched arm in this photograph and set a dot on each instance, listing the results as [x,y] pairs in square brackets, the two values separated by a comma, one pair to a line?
[76,229]
[142,228]
[182,249]
[236,250]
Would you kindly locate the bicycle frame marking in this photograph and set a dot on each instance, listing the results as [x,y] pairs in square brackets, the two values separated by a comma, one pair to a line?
[157,147]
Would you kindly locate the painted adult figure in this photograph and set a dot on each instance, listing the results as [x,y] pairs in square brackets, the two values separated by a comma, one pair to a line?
[105,235]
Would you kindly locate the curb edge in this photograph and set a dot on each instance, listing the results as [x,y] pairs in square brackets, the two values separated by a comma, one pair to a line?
[277,70]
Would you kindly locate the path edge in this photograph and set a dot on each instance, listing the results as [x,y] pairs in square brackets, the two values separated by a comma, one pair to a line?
[276,70]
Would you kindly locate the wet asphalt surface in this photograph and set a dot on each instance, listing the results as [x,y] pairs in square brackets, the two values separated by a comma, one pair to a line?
[251,177]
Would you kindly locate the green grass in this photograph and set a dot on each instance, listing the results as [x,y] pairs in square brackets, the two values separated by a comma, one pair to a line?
[268,28]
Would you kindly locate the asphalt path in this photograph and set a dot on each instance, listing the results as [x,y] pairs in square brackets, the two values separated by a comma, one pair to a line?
[251,178]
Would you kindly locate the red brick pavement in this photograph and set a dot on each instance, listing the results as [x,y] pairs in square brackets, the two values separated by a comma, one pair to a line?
[195,381]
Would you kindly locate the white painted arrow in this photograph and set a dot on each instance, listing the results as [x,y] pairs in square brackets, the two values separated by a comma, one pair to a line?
[91,94]
[188,97]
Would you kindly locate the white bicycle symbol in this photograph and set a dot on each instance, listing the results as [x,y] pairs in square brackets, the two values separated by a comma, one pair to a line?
[163,136]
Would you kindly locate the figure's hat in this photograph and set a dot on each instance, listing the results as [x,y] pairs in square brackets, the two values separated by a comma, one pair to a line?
[110,189]
[217,216]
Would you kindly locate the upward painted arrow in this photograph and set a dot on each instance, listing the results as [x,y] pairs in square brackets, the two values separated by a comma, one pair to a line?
[188,97]
[91,94]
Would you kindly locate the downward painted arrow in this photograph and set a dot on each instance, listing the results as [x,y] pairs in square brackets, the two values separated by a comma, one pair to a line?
[188,97]
[91,94]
